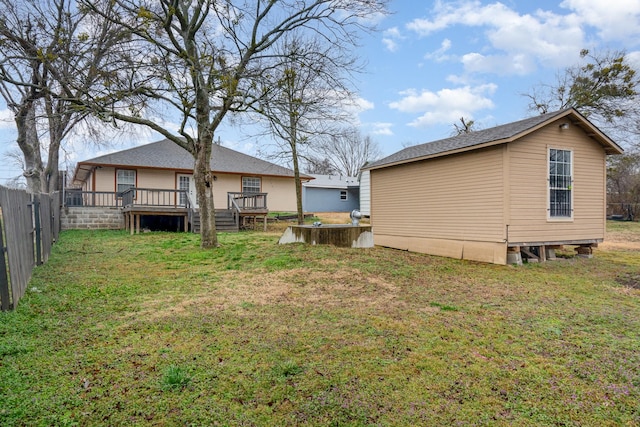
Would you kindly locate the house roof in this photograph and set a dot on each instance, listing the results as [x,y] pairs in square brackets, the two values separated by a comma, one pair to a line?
[166,154]
[493,136]
[332,181]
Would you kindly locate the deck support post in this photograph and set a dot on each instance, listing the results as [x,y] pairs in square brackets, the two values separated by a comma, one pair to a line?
[542,253]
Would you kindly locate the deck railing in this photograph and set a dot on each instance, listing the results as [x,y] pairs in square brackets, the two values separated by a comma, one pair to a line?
[77,198]
[155,197]
[247,201]
[130,197]
[135,196]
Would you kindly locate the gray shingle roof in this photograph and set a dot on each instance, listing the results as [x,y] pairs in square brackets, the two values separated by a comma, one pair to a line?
[498,134]
[332,181]
[166,154]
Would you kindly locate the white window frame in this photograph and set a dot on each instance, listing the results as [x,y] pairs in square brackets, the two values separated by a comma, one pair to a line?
[250,182]
[122,180]
[344,195]
[560,182]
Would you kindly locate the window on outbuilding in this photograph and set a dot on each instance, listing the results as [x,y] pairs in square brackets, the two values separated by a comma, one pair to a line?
[560,183]
[343,194]
[125,179]
[251,184]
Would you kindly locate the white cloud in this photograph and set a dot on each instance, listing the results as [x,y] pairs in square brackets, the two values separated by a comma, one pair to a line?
[6,119]
[445,106]
[392,32]
[390,39]
[634,59]
[359,105]
[544,37]
[381,128]
[440,55]
[390,44]
[519,64]
[614,20]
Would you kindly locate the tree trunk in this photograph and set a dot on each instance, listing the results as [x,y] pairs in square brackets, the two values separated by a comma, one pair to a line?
[297,182]
[51,175]
[204,191]
[29,145]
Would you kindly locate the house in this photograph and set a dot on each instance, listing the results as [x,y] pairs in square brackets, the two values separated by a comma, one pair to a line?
[156,180]
[330,193]
[495,195]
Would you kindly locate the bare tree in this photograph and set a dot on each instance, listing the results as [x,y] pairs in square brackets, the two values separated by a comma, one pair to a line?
[347,151]
[304,96]
[45,44]
[465,126]
[203,59]
[623,183]
[319,166]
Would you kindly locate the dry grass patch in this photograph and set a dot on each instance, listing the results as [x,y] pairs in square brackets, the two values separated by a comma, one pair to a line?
[347,288]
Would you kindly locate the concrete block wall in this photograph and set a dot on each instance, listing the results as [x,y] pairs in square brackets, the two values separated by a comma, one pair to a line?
[92,218]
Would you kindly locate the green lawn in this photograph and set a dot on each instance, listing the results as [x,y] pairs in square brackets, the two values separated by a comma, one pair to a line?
[151,330]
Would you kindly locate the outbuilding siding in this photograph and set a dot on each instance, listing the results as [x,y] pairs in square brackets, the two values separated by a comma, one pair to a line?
[529,220]
[441,205]
[474,195]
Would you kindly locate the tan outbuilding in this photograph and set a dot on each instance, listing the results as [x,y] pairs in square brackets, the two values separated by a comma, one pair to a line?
[518,190]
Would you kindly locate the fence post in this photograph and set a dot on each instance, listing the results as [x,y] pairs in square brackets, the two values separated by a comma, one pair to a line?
[5,304]
[38,228]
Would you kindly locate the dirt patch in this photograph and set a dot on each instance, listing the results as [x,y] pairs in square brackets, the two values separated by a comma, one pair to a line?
[295,288]
[338,218]
[629,280]
[621,240]
[625,246]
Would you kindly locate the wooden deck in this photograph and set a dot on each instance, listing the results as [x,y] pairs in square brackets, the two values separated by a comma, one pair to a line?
[249,219]
[244,210]
[133,213]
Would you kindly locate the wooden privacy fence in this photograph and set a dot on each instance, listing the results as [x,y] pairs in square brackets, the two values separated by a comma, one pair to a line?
[30,224]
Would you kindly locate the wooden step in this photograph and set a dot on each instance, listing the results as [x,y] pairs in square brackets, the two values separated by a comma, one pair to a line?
[224,221]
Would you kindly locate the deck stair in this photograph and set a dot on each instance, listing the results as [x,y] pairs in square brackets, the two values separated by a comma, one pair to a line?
[224,221]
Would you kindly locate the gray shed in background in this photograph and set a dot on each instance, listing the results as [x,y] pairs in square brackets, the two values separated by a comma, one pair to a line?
[331,193]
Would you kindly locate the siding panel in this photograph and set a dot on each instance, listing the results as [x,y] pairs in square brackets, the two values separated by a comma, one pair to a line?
[529,187]
[457,197]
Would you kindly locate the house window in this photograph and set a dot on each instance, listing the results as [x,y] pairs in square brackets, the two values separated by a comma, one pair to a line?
[560,184]
[250,184]
[125,179]
[343,194]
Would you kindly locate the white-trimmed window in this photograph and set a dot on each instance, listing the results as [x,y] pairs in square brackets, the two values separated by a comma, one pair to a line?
[343,195]
[251,184]
[560,183]
[125,179]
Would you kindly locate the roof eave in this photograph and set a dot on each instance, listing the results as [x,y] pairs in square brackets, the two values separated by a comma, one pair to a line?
[442,154]
[609,146]
[84,169]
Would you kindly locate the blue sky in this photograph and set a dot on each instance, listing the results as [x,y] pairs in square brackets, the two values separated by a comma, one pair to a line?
[433,62]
